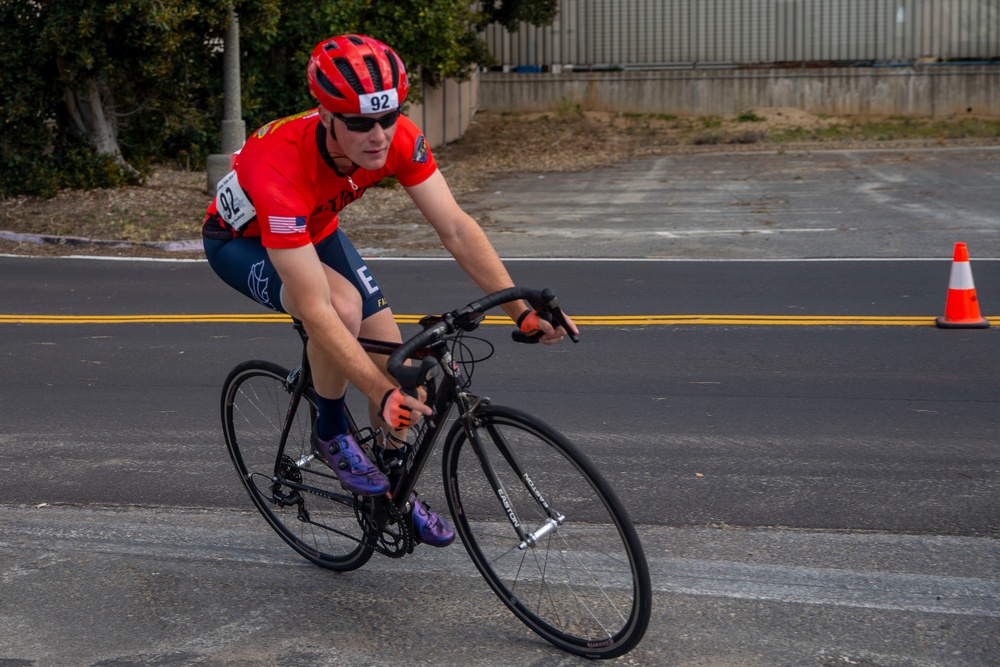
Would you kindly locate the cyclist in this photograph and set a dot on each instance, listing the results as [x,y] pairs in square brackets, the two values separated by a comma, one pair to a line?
[272,234]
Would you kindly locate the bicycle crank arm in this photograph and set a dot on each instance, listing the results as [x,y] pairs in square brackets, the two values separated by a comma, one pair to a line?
[531,539]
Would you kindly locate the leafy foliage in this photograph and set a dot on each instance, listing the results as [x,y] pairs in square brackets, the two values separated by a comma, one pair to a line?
[434,38]
[156,68]
[144,62]
[511,13]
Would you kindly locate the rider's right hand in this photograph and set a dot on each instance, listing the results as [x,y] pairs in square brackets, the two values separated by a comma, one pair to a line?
[398,407]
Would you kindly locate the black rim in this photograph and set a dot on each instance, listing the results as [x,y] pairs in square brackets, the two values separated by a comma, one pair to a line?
[624,601]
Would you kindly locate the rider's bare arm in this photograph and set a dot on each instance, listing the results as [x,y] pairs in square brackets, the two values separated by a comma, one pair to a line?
[465,240]
[307,296]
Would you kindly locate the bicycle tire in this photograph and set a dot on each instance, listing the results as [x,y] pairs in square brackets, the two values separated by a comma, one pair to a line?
[255,404]
[585,585]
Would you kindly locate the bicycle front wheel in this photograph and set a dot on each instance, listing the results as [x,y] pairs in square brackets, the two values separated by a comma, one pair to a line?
[580,579]
[296,493]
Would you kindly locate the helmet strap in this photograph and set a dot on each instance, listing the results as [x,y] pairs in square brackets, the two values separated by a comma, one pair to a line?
[331,159]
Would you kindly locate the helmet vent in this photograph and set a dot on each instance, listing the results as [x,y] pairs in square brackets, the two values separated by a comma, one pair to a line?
[374,72]
[327,85]
[394,66]
[349,76]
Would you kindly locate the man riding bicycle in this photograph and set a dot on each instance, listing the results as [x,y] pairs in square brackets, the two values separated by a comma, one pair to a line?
[272,233]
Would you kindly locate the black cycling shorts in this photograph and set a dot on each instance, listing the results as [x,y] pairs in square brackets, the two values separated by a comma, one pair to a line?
[244,265]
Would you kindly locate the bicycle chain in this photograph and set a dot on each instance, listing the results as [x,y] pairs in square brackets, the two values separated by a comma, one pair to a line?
[375,516]
[377,534]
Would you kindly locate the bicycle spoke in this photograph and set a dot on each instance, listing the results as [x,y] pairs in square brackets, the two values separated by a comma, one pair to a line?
[255,408]
[581,582]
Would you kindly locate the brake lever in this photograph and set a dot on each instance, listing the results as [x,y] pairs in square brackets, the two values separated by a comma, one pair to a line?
[552,314]
[551,304]
[560,318]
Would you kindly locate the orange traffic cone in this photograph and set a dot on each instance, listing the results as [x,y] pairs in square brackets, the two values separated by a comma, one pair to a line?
[962,308]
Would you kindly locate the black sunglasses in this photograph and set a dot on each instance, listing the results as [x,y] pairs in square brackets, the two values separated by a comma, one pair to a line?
[367,123]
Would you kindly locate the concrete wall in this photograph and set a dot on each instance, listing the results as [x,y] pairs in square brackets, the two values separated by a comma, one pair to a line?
[446,111]
[920,90]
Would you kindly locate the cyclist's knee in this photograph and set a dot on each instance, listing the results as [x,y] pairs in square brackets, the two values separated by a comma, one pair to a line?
[381,325]
[350,315]
[346,300]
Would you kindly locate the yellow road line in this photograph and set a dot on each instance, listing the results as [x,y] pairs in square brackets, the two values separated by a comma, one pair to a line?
[581,320]
[139,319]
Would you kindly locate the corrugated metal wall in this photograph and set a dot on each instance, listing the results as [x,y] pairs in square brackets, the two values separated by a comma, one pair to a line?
[650,34]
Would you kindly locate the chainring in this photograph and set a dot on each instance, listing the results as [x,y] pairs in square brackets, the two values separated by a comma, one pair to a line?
[384,526]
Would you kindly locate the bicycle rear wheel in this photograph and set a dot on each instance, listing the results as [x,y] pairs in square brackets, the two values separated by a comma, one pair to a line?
[583,584]
[320,525]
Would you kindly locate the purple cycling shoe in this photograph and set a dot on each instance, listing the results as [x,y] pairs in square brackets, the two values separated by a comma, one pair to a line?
[348,461]
[429,527]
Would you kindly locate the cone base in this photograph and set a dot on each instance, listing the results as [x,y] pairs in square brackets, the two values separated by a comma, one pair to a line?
[944,323]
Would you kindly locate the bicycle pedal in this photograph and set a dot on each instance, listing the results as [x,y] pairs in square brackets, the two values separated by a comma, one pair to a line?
[365,436]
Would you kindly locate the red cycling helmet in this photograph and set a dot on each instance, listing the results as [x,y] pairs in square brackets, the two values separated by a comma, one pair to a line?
[357,74]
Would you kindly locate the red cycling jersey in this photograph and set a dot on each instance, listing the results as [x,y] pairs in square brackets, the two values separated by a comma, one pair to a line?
[293,187]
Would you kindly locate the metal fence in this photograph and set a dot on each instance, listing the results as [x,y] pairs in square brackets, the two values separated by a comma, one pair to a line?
[651,34]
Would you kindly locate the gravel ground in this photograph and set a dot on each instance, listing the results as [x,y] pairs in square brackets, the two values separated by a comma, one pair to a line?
[162,218]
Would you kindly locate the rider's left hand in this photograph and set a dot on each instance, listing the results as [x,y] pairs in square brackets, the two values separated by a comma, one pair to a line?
[530,322]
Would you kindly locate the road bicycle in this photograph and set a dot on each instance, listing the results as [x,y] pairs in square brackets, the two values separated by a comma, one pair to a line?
[541,524]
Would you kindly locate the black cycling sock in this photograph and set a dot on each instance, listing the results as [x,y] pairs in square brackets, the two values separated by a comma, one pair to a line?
[332,418]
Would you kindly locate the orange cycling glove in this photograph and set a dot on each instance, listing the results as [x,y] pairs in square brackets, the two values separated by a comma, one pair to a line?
[394,412]
[529,327]
[527,322]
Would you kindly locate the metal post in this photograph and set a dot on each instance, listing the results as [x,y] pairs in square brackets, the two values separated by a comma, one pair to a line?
[234,131]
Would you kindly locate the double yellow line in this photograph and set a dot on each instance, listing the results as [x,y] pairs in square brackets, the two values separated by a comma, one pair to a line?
[581,320]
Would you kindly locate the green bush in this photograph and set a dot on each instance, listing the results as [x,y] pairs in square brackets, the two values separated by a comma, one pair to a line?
[749,116]
[63,164]
[158,67]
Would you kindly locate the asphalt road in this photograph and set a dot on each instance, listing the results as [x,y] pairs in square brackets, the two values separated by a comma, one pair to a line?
[751,205]
[817,494]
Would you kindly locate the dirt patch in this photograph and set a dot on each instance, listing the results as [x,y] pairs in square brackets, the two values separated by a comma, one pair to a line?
[167,209]
[163,217]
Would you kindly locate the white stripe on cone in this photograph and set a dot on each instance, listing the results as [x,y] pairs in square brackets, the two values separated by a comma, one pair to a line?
[961,276]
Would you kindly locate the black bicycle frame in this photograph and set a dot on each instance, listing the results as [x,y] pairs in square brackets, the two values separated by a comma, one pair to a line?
[444,397]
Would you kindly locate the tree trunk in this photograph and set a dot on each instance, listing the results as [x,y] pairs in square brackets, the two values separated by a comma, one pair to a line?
[93,116]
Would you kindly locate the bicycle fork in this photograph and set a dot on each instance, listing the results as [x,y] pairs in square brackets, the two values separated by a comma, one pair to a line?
[555,518]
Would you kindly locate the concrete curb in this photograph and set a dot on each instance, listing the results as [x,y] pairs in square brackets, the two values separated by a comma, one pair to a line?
[45,239]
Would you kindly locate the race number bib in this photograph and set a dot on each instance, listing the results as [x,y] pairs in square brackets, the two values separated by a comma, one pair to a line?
[233,204]
[387,100]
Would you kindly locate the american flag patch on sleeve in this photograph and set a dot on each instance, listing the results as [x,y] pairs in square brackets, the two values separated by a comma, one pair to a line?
[283,224]
[420,150]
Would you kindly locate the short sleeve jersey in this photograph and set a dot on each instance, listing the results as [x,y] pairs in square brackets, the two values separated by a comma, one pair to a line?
[293,184]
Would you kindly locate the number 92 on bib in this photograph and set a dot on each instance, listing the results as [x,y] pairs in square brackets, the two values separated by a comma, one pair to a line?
[386,100]
[232,202]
